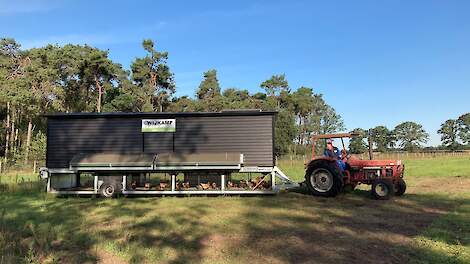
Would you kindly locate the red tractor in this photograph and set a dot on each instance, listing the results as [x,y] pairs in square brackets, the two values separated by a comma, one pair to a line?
[327,176]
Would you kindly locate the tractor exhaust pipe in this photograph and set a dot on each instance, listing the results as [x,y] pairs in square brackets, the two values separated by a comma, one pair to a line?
[369,141]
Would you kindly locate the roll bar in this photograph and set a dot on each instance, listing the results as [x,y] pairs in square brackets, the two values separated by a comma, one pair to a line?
[327,136]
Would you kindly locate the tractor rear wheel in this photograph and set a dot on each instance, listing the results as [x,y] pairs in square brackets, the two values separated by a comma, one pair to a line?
[382,189]
[400,187]
[323,178]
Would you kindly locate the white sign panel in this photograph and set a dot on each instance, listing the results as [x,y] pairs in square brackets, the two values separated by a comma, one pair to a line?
[158,125]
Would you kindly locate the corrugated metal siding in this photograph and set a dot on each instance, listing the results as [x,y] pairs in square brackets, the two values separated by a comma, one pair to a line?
[251,135]
[68,137]
[158,142]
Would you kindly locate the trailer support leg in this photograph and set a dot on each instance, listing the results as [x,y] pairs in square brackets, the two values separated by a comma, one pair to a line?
[48,183]
[173,182]
[222,182]
[124,182]
[273,180]
[95,184]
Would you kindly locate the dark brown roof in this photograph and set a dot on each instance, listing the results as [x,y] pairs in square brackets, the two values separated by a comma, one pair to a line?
[254,112]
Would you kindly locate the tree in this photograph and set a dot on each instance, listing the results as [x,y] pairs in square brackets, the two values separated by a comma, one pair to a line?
[214,104]
[330,121]
[102,71]
[237,99]
[382,137]
[274,86]
[259,101]
[464,128]
[285,132]
[16,94]
[410,135]
[183,104]
[209,87]
[38,147]
[75,71]
[154,78]
[303,102]
[357,145]
[449,134]
[117,100]
[81,78]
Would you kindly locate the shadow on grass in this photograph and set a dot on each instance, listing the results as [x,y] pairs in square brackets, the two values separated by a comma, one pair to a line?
[38,227]
[351,228]
[290,227]
[141,231]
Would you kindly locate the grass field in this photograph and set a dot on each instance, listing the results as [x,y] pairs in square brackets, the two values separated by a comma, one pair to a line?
[430,224]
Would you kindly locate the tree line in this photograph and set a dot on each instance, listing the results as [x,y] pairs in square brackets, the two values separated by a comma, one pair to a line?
[81,78]
[410,136]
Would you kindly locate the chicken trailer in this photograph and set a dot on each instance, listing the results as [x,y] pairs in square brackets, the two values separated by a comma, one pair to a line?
[228,152]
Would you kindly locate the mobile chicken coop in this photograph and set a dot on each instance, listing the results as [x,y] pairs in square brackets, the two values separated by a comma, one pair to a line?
[228,152]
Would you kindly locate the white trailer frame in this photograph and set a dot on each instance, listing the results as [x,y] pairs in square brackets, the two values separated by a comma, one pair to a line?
[274,172]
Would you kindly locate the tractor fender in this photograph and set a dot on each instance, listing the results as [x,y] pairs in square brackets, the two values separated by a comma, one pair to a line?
[317,161]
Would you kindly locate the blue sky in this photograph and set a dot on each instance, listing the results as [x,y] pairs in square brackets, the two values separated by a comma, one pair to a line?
[376,62]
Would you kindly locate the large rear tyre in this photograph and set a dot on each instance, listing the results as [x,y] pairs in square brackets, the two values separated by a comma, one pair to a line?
[323,178]
[382,189]
[400,187]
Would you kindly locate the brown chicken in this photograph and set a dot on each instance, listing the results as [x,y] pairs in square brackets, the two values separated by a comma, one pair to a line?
[163,185]
[205,186]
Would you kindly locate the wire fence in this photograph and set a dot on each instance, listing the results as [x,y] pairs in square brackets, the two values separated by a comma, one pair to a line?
[415,155]
[393,155]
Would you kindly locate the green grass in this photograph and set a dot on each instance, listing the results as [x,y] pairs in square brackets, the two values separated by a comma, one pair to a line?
[447,239]
[438,167]
[428,225]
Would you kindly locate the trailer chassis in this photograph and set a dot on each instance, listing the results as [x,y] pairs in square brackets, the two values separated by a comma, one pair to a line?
[274,172]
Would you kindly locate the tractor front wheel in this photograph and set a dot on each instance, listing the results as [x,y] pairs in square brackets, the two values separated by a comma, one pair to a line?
[400,187]
[382,189]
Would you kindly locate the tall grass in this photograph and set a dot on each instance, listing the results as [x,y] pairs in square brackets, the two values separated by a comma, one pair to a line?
[14,181]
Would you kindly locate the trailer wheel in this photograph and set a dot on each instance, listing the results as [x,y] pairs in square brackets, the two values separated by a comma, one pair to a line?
[108,190]
[382,189]
[323,178]
[400,187]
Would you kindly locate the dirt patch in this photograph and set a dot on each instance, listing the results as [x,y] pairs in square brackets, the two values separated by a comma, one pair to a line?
[443,185]
[104,257]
